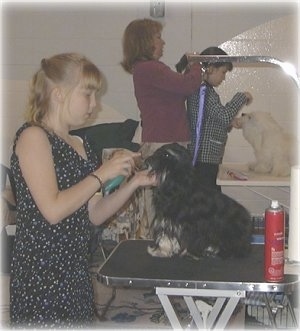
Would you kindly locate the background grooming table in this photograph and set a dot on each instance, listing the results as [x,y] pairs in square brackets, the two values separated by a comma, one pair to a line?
[258,184]
[228,280]
[254,179]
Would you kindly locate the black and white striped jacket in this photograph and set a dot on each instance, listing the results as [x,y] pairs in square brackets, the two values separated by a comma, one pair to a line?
[216,123]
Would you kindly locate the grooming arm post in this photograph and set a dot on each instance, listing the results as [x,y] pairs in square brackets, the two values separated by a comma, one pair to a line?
[287,67]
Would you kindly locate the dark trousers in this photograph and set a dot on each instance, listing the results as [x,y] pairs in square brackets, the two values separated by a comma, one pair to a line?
[206,175]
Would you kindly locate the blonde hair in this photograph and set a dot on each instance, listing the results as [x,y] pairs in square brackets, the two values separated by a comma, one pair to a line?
[66,69]
[138,41]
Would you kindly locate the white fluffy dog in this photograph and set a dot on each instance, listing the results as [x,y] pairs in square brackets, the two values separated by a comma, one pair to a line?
[272,146]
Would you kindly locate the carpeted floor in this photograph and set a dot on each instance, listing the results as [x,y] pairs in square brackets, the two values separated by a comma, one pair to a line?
[130,308]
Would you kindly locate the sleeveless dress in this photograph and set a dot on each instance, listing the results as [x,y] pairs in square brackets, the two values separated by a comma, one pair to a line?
[50,282]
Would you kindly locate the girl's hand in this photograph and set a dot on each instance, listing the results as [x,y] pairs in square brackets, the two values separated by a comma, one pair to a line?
[249,98]
[121,163]
[236,123]
[144,178]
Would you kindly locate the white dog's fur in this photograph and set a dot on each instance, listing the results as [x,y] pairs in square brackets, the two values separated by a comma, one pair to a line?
[272,146]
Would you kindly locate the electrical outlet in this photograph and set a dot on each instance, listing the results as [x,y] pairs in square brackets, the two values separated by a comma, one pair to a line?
[157,8]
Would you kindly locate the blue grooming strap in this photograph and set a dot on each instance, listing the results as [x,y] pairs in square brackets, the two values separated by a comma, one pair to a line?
[199,120]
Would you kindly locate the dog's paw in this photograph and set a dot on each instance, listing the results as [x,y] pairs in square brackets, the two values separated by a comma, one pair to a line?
[156,251]
[260,168]
[165,247]
[211,251]
[281,170]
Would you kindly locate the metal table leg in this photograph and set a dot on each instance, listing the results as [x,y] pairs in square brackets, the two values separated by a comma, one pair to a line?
[170,312]
[226,299]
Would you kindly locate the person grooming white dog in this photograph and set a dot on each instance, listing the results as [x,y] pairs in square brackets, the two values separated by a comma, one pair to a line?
[208,143]
[272,146]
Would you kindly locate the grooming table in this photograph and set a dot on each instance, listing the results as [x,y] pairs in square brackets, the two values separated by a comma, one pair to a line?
[228,281]
[253,179]
[255,183]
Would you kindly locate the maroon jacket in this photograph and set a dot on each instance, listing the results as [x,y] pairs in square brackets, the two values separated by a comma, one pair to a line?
[161,94]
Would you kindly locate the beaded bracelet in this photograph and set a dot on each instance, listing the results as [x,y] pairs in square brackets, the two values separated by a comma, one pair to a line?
[99,180]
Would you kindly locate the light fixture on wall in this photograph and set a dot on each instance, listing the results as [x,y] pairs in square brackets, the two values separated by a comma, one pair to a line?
[157,8]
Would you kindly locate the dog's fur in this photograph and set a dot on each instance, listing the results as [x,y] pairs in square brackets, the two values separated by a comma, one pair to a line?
[272,146]
[192,219]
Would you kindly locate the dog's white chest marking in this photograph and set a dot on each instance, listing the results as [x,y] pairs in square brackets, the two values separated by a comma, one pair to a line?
[167,247]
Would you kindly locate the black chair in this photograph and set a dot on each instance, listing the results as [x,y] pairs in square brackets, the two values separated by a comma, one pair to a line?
[7,178]
[8,213]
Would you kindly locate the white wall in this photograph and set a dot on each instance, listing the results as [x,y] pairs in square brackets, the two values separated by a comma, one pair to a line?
[273,91]
[33,31]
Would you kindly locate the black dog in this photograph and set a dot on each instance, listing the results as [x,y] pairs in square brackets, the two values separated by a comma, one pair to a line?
[192,219]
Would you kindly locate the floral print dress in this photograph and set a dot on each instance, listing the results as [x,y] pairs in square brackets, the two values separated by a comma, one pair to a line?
[50,282]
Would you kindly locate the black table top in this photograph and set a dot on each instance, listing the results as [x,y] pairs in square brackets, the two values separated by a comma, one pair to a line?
[130,265]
